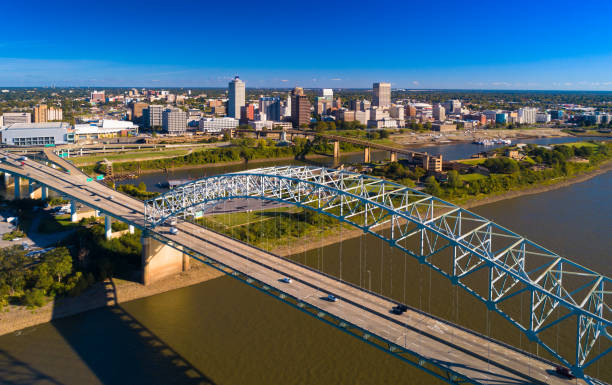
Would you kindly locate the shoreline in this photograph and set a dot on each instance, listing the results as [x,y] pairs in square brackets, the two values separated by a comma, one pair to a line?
[14,318]
[236,163]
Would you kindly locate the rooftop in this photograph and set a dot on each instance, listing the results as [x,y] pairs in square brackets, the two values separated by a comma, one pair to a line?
[29,126]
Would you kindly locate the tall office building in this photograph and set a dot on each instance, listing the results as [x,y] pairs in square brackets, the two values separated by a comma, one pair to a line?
[300,107]
[287,112]
[174,121]
[247,113]
[327,93]
[271,107]
[9,118]
[527,115]
[137,111]
[439,112]
[54,114]
[236,97]
[40,113]
[382,94]
[152,116]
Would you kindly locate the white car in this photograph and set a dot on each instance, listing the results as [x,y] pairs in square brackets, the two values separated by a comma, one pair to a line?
[173,230]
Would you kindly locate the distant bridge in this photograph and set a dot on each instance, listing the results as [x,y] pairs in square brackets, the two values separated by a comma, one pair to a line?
[452,241]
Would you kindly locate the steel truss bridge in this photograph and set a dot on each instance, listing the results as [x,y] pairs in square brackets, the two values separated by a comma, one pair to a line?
[456,243]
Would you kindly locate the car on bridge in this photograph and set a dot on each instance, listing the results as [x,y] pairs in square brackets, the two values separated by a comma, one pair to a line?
[331,298]
[173,230]
[564,372]
[399,309]
[285,280]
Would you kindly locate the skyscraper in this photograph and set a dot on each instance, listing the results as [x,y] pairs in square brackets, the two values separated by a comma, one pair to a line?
[236,97]
[271,107]
[382,94]
[174,121]
[40,113]
[300,107]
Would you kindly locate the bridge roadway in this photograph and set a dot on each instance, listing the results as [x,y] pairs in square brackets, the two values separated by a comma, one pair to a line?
[461,351]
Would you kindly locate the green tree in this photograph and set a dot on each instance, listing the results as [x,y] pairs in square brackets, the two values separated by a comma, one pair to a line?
[454,180]
[432,186]
[59,261]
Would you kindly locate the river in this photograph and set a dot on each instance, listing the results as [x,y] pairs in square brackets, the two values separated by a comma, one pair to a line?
[224,332]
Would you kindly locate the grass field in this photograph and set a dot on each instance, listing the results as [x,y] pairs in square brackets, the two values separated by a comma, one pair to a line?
[242,218]
[473,162]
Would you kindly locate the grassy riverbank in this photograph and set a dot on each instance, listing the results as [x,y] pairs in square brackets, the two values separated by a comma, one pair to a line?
[240,150]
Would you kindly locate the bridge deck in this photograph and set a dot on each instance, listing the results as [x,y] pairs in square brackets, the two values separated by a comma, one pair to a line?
[464,352]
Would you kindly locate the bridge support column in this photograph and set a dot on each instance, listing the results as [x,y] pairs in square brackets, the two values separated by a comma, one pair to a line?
[367,158]
[392,156]
[108,228]
[17,183]
[160,260]
[131,229]
[30,187]
[7,179]
[336,149]
[44,192]
[73,212]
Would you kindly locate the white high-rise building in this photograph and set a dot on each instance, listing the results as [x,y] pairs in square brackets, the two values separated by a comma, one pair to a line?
[327,93]
[527,115]
[236,98]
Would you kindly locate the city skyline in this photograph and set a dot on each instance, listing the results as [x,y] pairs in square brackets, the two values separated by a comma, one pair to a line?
[525,46]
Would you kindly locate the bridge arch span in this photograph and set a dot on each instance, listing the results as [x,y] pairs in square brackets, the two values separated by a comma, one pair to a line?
[454,242]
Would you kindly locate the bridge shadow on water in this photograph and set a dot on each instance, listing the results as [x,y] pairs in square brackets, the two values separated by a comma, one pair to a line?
[118,349]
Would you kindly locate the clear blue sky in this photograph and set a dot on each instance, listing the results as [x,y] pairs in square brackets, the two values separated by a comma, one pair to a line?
[516,44]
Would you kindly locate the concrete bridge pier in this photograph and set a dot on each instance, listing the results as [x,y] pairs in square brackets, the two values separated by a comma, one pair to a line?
[367,156]
[17,182]
[131,229]
[44,192]
[392,156]
[108,227]
[160,260]
[7,179]
[336,149]
[73,212]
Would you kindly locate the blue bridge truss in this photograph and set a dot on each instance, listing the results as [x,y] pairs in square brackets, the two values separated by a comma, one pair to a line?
[453,241]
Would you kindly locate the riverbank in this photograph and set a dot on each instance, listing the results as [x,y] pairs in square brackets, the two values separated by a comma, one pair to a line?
[108,293]
[314,242]
[311,157]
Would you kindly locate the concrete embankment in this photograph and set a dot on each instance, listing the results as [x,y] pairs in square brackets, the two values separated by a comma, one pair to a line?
[108,293]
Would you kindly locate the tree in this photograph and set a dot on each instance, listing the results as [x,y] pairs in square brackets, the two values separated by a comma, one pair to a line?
[432,187]
[454,180]
[418,173]
[59,261]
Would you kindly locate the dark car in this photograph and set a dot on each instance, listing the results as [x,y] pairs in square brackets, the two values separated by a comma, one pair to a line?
[565,372]
[399,309]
